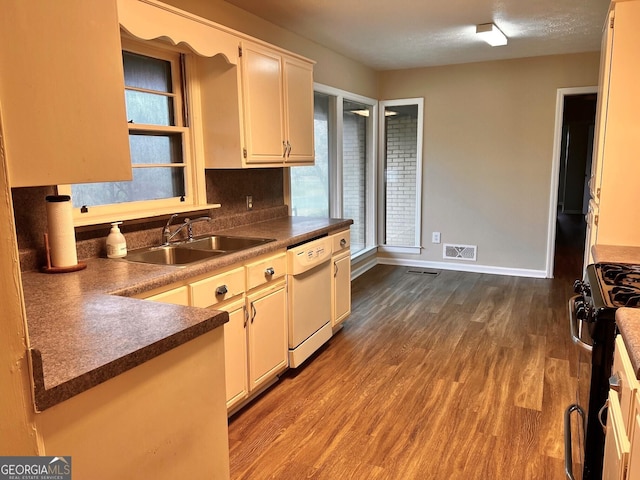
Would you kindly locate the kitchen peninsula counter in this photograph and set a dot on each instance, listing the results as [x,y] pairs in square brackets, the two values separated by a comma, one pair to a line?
[84,330]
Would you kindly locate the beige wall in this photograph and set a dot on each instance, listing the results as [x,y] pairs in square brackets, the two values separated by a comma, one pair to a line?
[487,155]
[331,68]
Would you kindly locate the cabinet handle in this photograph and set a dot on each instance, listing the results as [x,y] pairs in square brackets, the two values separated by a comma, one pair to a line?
[600,413]
[221,290]
[246,315]
[288,149]
[343,242]
[253,312]
[335,269]
[270,271]
[284,149]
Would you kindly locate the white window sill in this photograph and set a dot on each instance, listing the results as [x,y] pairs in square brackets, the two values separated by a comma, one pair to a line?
[409,250]
[79,220]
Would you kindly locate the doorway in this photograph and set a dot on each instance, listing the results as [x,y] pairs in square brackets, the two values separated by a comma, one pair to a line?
[573,147]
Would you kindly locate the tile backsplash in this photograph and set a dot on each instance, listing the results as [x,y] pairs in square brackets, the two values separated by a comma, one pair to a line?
[226,187]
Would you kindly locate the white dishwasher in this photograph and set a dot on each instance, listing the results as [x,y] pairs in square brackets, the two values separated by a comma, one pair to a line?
[309,283]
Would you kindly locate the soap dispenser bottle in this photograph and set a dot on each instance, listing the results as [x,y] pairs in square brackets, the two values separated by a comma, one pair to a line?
[116,243]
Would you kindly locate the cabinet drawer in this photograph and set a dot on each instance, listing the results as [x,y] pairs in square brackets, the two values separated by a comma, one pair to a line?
[218,288]
[266,270]
[623,369]
[176,296]
[341,241]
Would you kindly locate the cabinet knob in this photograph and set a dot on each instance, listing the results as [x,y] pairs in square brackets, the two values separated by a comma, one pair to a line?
[343,242]
[221,290]
[270,271]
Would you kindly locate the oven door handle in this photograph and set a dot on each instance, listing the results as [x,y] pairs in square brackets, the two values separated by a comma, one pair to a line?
[568,452]
[574,330]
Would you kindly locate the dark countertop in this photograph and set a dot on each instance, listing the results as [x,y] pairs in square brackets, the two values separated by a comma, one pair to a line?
[628,322]
[83,330]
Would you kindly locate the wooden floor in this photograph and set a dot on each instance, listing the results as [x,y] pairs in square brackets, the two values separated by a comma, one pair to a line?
[447,376]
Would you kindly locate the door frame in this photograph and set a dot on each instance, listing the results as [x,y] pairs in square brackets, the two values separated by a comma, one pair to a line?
[555,170]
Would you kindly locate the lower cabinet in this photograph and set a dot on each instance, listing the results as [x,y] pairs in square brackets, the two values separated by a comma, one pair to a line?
[616,447]
[622,433]
[176,296]
[255,337]
[633,471]
[235,353]
[164,419]
[267,330]
[340,278]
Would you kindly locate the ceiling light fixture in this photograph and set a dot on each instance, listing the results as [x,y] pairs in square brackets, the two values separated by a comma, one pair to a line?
[491,34]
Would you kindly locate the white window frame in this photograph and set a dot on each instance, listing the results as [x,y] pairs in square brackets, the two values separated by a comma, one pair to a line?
[195,184]
[337,98]
[410,249]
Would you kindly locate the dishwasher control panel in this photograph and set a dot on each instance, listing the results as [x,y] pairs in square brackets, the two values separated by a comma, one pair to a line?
[309,255]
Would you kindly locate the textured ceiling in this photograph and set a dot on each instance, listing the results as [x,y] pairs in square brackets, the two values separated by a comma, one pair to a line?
[396,34]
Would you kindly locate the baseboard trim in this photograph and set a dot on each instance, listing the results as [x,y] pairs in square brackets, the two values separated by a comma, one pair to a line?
[514,272]
[364,266]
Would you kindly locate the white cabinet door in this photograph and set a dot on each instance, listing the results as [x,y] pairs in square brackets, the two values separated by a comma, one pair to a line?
[263,102]
[235,354]
[617,147]
[298,97]
[267,310]
[616,446]
[634,456]
[341,288]
[62,93]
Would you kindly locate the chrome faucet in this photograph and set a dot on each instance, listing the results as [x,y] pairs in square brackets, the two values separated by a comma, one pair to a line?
[167,236]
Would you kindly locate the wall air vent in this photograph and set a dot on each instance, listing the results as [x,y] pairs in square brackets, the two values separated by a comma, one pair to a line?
[459,252]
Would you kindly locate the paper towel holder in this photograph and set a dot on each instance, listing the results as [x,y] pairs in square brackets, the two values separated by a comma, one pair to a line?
[48,268]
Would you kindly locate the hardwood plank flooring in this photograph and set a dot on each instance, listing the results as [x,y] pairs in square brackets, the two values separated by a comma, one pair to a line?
[449,376]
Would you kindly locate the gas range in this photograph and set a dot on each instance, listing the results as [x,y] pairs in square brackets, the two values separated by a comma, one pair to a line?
[620,283]
[604,288]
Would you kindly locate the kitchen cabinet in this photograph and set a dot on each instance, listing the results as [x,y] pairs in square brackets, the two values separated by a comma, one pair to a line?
[235,353]
[341,278]
[616,446]
[176,296]
[257,114]
[170,407]
[255,337]
[277,95]
[267,319]
[614,161]
[622,415]
[62,93]
[267,329]
[633,471]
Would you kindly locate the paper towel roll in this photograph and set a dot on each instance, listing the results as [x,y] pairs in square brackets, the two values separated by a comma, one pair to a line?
[62,236]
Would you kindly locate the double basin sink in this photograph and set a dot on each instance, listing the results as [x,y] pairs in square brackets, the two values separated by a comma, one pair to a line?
[196,250]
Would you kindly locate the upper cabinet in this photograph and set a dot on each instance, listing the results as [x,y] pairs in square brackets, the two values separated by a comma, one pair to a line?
[615,163]
[62,93]
[260,113]
[278,107]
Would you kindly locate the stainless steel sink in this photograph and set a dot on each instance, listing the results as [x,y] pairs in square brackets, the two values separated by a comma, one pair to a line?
[185,253]
[170,255]
[225,243]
